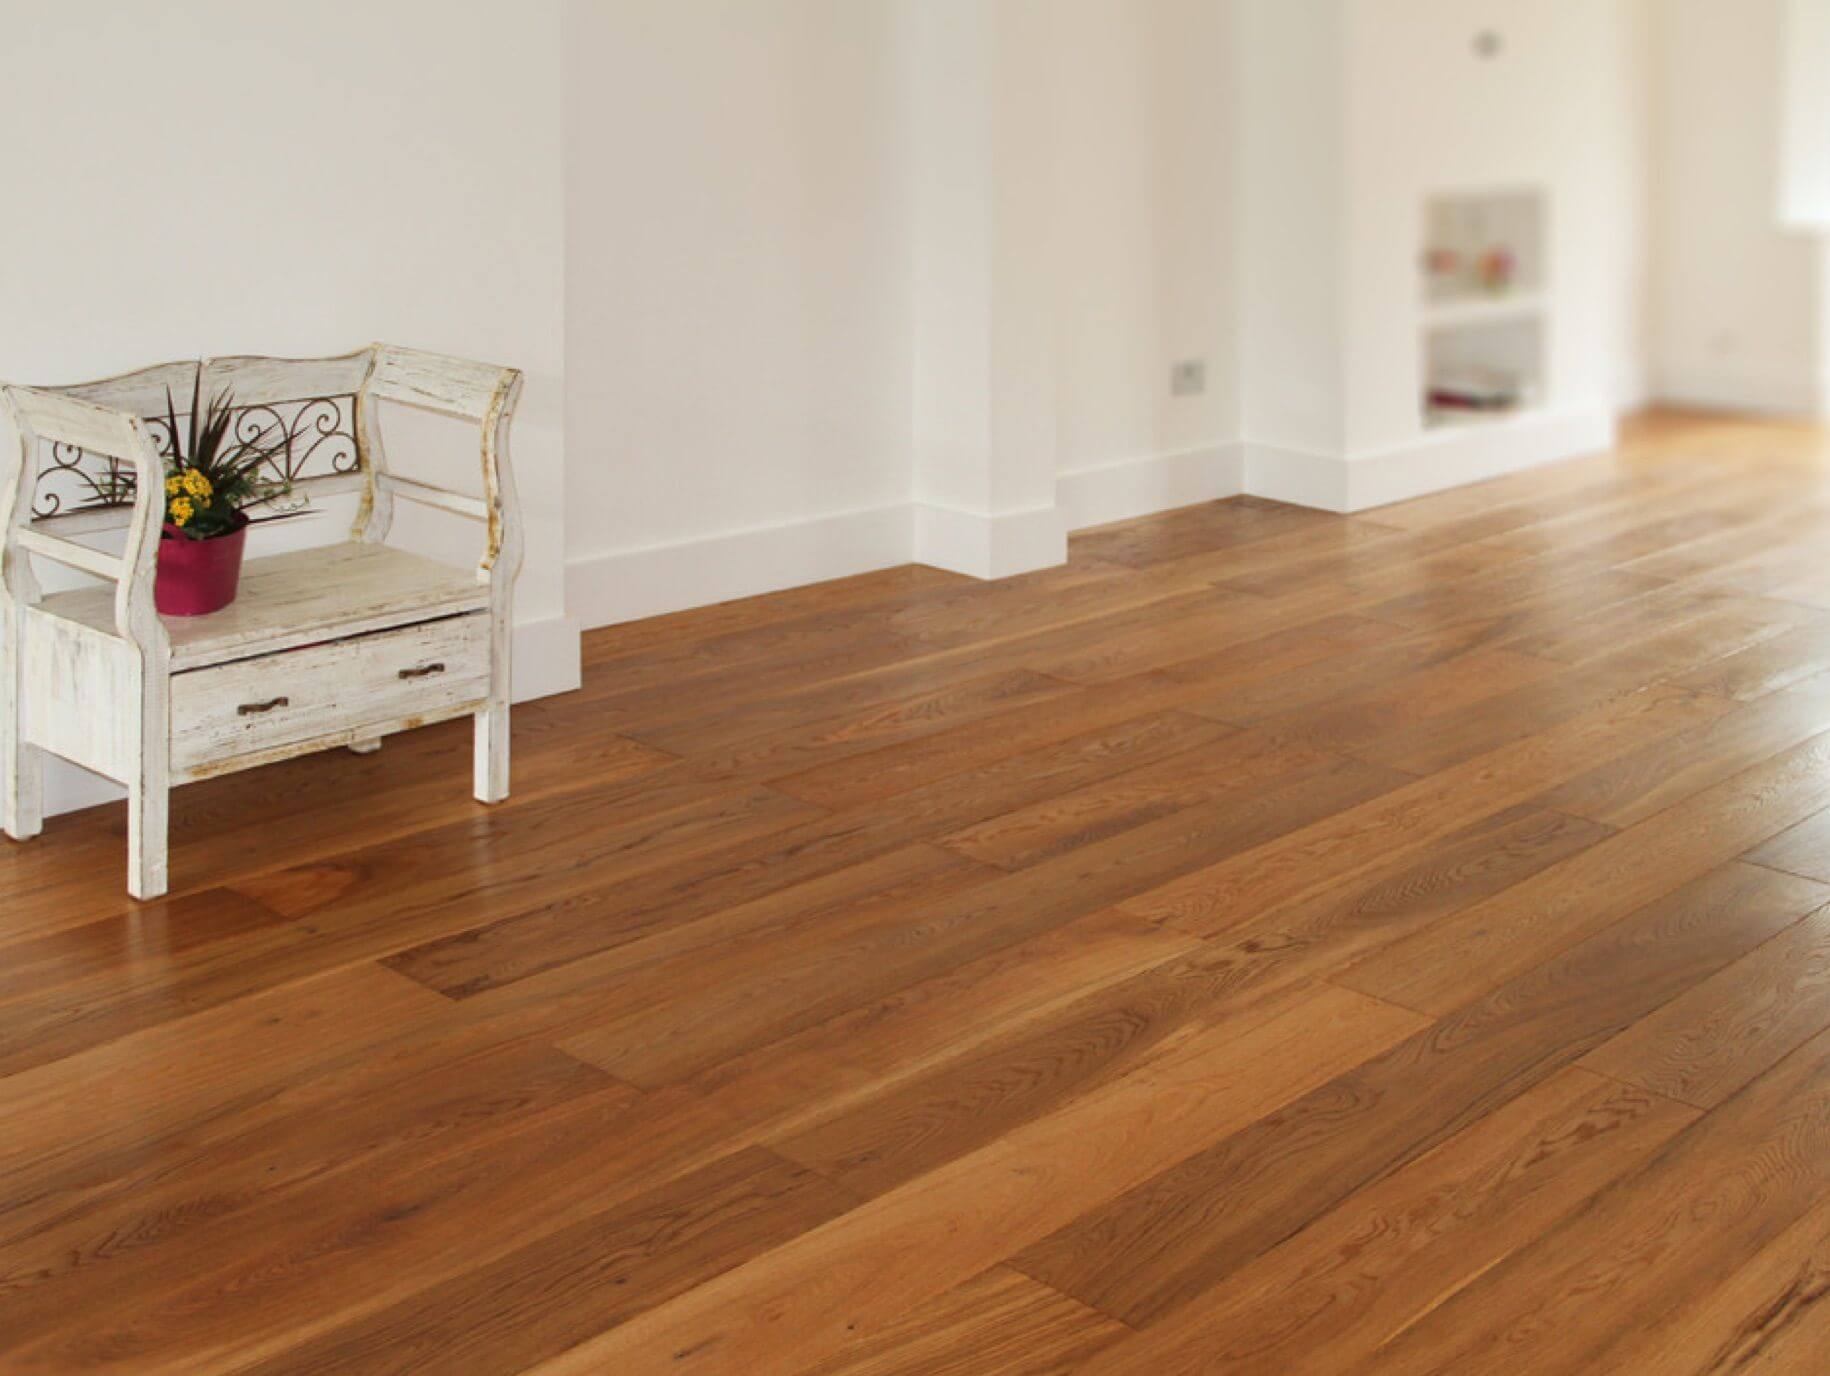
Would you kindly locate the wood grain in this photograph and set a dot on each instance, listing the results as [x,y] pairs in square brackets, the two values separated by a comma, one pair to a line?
[1196,1224]
[1271,942]
[806,1300]
[1628,1267]
[1709,1043]
[1337,1289]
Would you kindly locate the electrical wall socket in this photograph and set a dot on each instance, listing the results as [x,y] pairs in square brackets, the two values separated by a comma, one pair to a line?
[1188,378]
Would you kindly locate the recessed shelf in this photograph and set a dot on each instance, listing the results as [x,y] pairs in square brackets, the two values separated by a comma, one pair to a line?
[1483,309]
[1474,310]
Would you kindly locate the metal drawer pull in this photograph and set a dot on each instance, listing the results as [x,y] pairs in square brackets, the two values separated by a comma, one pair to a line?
[423,671]
[251,709]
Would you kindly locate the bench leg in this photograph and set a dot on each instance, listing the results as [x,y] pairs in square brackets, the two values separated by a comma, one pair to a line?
[490,781]
[149,794]
[366,747]
[21,765]
[148,808]
[21,785]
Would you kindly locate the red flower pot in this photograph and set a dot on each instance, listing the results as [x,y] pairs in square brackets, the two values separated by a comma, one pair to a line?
[197,576]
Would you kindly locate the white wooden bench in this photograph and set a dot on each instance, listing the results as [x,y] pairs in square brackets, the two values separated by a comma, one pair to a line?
[326,647]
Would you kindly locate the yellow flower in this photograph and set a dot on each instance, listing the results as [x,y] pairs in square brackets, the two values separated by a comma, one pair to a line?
[182,510]
[171,486]
[196,484]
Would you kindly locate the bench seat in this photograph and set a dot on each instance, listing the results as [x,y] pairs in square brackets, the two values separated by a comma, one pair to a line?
[299,598]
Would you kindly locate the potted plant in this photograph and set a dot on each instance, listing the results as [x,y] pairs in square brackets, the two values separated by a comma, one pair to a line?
[212,479]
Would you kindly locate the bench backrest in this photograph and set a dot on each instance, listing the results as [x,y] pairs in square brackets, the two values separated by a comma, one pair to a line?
[306,405]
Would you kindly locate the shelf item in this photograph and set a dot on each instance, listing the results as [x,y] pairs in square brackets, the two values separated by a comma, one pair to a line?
[1483,244]
[1474,391]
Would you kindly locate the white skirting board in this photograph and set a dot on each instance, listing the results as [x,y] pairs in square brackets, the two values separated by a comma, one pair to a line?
[605,589]
[989,546]
[1158,482]
[1763,390]
[546,662]
[1451,456]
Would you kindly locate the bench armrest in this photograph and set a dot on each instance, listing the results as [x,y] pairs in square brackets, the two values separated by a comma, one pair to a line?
[463,390]
[39,417]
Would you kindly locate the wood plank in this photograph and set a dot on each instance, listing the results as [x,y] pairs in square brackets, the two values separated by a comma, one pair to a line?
[1803,848]
[539,1300]
[1307,861]
[1244,700]
[904,1121]
[1708,1044]
[1632,786]
[1452,738]
[1411,700]
[881,1141]
[827,742]
[671,1017]
[865,710]
[1766,1318]
[387,896]
[779,1087]
[1166,1242]
[855,1276]
[879,774]
[1477,949]
[1584,636]
[296,1265]
[166,1078]
[68,991]
[566,996]
[1338,1288]
[1635,1262]
[910,938]
[545,936]
[249,1155]
[997,1321]
[1246,761]
[1766,667]
[1405,893]
[1533,588]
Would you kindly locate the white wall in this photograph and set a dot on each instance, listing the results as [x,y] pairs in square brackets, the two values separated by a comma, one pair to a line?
[1292,212]
[1739,301]
[218,177]
[1560,109]
[984,167]
[855,281]
[1146,254]
[1354,114]
[738,333]
[1804,143]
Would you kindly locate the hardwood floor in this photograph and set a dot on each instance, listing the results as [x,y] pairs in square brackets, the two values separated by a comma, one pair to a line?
[1274,942]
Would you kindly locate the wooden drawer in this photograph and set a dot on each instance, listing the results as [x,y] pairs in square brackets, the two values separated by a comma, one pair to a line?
[275,705]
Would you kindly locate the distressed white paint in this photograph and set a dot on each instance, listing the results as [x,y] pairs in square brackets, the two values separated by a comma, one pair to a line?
[300,598]
[325,647]
[253,706]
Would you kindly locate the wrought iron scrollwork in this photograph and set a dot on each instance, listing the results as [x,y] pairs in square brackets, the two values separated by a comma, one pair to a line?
[319,441]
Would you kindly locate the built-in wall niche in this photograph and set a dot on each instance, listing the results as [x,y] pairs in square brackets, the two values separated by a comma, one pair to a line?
[1484,305]
[1482,370]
